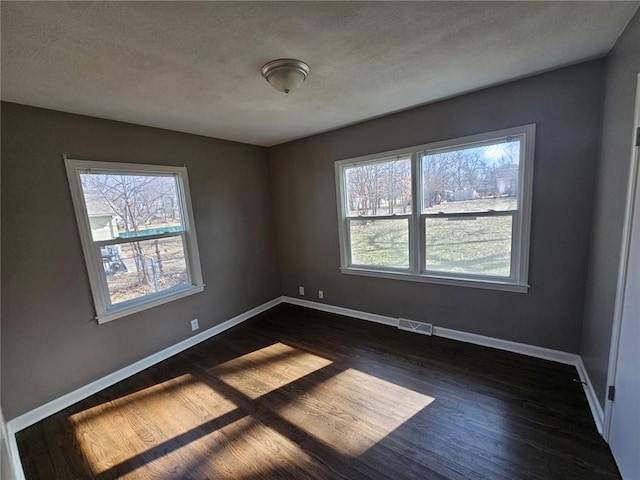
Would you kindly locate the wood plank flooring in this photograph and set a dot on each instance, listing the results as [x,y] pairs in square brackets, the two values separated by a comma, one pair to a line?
[300,394]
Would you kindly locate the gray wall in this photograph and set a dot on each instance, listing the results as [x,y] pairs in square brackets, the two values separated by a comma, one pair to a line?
[50,344]
[565,105]
[6,469]
[623,66]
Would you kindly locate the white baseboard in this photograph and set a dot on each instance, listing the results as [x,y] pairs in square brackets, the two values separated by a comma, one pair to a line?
[515,347]
[60,403]
[522,348]
[7,452]
[14,455]
[371,317]
[33,416]
[509,346]
[592,398]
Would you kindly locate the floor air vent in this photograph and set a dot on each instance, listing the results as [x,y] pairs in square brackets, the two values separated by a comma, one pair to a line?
[416,327]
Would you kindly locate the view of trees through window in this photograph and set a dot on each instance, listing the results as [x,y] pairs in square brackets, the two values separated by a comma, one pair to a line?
[146,209]
[471,179]
[469,200]
[380,188]
[480,180]
[374,190]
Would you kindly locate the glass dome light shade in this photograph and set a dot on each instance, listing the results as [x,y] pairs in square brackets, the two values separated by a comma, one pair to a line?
[285,74]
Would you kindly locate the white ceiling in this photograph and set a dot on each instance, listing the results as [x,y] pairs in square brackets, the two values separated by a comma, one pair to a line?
[195,66]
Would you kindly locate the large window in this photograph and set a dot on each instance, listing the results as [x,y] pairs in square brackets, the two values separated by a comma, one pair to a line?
[454,212]
[137,232]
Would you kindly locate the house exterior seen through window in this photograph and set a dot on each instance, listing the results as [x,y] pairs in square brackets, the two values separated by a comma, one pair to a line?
[455,212]
[137,233]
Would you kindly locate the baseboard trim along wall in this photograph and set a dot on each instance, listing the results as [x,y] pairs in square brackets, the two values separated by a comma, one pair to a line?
[33,416]
[14,455]
[596,409]
[515,347]
[7,454]
[522,348]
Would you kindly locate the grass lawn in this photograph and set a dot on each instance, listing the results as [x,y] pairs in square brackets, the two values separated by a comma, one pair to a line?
[380,242]
[480,245]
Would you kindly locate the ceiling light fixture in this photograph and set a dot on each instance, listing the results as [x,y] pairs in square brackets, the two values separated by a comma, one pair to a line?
[285,74]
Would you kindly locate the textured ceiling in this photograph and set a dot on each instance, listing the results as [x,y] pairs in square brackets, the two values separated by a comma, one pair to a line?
[195,66]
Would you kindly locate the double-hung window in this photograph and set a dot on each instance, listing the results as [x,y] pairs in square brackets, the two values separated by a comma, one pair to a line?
[456,212]
[138,234]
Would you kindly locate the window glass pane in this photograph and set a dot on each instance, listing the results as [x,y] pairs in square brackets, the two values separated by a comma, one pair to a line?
[381,188]
[475,245]
[382,243]
[472,178]
[126,205]
[136,269]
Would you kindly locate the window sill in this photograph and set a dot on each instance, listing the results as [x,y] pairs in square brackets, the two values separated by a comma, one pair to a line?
[457,282]
[138,307]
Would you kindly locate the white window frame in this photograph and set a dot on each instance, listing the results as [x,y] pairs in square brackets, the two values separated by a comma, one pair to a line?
[105,311]
[516,282]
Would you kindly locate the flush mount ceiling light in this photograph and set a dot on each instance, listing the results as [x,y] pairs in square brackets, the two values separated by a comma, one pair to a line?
[285,74]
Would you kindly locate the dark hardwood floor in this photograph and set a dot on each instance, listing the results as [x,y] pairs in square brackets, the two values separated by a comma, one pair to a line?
[296,393]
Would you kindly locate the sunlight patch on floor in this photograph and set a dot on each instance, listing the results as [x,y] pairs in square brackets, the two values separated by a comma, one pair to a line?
[262,371]
[107,438]
[364,409]
[243,448]
[251,449]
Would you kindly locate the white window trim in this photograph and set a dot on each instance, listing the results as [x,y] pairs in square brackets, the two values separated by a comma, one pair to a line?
[105,312]
[517,282]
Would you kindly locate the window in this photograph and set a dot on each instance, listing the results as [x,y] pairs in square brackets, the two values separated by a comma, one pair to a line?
[137,233]
[455,212]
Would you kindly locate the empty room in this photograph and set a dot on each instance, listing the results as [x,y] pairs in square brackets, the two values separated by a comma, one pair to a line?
[320,240]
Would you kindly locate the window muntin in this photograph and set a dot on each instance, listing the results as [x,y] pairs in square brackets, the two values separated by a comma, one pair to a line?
[137,232]
[465,215]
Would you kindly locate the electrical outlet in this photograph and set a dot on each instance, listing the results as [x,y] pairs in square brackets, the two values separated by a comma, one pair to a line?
[320,294]
[194,324]
[301,290]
